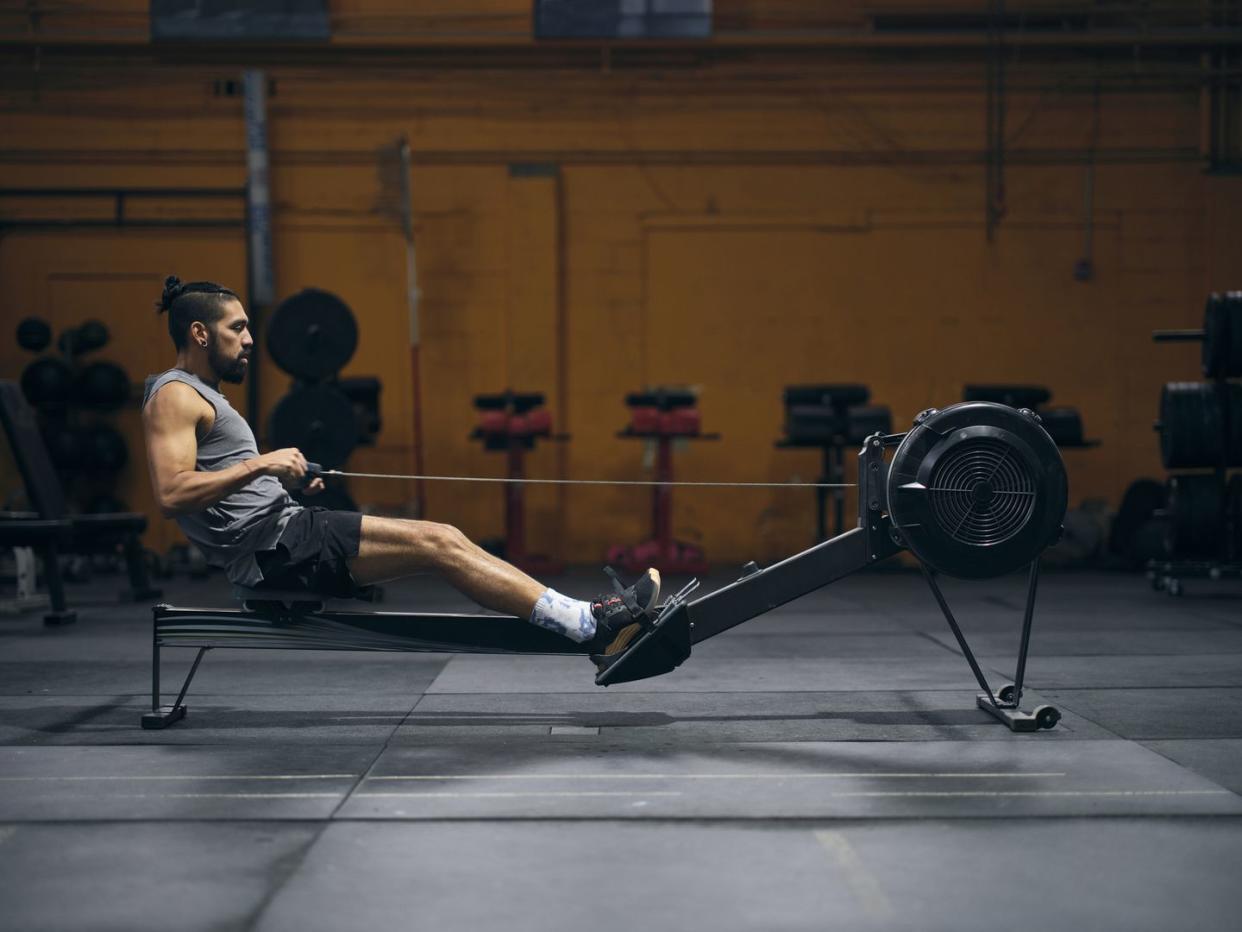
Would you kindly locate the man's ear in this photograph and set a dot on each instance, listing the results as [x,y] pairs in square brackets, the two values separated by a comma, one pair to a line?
[198,333]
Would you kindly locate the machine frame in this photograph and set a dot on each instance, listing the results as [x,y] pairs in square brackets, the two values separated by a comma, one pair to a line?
[292,620]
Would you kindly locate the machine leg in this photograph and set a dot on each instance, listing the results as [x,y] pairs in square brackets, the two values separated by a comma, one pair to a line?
[1003,703]
[163,716]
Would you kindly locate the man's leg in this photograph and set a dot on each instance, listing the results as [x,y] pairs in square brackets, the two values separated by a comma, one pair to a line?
[389,548]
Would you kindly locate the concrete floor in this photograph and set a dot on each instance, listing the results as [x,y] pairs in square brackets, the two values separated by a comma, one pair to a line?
[822,767]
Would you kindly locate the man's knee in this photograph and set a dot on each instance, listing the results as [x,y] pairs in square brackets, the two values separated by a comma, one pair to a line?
[439,543]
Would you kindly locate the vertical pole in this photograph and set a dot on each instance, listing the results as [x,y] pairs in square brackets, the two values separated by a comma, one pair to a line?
[412,295]
[261,284]
[515,511]
[821,499]
[662,497]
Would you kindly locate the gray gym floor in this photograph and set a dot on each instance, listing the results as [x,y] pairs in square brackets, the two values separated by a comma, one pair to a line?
[821,767]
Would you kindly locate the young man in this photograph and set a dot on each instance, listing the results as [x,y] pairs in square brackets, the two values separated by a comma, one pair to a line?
[233,503]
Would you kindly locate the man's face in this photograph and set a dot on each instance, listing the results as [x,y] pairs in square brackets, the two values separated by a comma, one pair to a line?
[229,344]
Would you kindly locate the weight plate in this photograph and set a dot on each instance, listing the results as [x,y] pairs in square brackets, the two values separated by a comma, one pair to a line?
[91,335]
[1222,335]
[102,386]
[312,335]
[318,420]
[103,449]
[1233,514]
[47,381]
[977,490]
[34,334]
[1192,425]
[1196,515]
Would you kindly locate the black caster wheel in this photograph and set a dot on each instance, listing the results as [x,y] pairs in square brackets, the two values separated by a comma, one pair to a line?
[1047,716]
[1006,693]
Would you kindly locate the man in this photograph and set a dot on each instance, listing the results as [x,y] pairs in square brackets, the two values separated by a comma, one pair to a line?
[233,503]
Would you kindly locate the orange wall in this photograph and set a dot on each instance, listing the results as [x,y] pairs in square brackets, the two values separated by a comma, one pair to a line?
[734,226]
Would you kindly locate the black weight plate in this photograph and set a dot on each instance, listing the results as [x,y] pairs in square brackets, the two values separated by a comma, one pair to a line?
[1232,394]
[318,420]
[1222,335]
[1192,425]
[34,334]
[102,386]
[312,335]
[47,381]
[1014,396]
[64,446]
[977,490]
[1233,514]
[103,449]
[91,335]
[1196,515]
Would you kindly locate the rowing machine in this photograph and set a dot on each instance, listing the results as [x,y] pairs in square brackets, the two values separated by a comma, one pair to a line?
[974,491]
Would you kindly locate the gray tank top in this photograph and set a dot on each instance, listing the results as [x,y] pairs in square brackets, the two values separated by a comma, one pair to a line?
[249,520]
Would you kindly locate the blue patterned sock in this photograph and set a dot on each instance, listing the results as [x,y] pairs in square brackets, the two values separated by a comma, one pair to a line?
[564,615]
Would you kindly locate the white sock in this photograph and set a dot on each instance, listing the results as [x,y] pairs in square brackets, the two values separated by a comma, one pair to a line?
[564,615]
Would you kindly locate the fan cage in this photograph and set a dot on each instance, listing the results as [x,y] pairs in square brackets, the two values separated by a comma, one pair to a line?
[981,492]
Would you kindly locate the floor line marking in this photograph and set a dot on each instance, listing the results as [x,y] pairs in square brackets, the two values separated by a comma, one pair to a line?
[1037,793]
[710,776]
[865,885]
[282,776]
[191,796]
[513,795]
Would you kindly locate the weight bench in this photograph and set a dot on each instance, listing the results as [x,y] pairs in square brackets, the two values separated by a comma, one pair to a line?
[974,491]
[91,533]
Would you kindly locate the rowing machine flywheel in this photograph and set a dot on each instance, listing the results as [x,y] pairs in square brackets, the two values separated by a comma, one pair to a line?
[977,489]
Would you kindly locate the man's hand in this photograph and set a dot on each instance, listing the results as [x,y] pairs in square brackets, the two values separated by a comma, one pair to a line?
[315,487]
[287,465]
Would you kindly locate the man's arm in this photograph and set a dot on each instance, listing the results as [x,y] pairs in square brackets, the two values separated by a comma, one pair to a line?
[170,421]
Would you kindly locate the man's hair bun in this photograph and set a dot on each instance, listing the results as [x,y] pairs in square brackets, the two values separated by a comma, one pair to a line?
[173,289]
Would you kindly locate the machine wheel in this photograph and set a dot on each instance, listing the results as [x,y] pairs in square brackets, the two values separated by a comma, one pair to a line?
[1005,693]
[1047,716]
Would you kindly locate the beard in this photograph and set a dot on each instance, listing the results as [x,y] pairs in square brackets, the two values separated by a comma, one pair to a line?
[228,370]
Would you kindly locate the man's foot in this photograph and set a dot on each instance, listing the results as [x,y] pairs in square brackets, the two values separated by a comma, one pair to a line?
[621,616]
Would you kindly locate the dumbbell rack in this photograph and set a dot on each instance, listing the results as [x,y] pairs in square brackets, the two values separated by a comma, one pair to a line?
[662,415]
[1221,337]
[511,422]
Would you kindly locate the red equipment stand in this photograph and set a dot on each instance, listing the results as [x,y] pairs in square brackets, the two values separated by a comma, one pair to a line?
[664,415]
[511,422]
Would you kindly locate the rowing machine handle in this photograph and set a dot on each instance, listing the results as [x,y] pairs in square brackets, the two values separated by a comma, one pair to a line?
[313,471]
